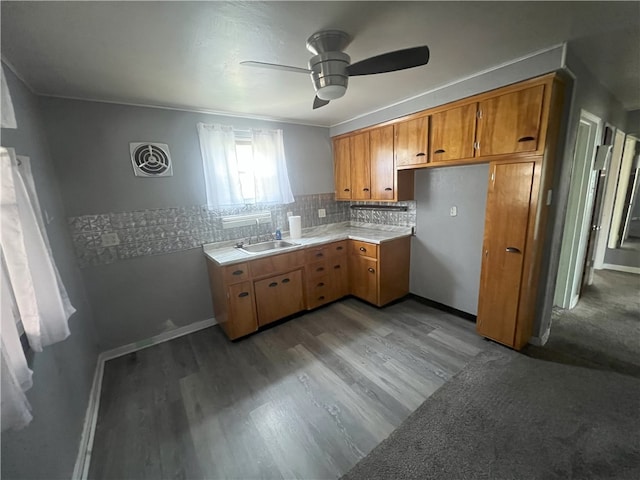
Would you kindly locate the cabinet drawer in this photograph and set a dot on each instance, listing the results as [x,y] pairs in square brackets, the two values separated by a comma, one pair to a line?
[363,249]
[319,291]
[316,253]
[276,264]
[318,269]
[236,273]
[337,248]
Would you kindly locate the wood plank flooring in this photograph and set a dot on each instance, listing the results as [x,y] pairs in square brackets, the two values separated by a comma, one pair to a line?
[305,399]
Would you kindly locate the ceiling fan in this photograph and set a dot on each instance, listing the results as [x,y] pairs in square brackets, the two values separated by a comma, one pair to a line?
[330,68]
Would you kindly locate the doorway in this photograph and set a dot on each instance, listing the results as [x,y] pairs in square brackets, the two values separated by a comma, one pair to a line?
[579,212]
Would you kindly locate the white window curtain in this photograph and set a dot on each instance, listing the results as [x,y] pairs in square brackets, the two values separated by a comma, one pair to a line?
[220,163]
[32,291]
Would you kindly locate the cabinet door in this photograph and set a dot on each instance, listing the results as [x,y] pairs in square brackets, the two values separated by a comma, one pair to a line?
[411,142]
[360,167]
[505,234]
[342,168]
[382,170]
[363,279]
[453,133]
[339,277]
[510,123]
[279,296]
[242,313]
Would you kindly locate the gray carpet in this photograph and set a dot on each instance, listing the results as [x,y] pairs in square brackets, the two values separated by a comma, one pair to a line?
[509,416]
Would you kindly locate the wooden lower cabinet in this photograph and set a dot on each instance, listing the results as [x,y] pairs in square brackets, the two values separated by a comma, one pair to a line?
[257,292]
[508,223]
[278,297]
[379,274]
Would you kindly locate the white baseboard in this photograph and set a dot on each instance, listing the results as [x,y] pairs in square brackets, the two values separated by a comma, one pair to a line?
[621,268]
[541,340]
[81,468]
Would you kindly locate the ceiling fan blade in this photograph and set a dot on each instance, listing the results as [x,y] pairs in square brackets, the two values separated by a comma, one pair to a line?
[318,102]
[275,66]
[390,62]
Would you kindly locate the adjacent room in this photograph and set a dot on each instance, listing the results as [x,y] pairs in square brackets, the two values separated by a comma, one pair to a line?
[359,240]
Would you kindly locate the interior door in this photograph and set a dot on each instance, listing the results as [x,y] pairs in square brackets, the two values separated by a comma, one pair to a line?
[505,234]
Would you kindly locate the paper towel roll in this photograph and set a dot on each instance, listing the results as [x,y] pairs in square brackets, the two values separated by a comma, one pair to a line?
[295,226]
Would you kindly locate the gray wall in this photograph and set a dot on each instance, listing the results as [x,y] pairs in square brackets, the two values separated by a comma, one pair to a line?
[633,123]
[446,253]
[63,372]
[138,298]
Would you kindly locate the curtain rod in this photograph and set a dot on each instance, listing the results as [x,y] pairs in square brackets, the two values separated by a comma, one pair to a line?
[390,208]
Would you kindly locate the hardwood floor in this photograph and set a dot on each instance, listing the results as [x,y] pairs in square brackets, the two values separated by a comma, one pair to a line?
[305,399]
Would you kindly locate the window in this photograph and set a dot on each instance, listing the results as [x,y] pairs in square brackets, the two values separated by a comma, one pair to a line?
[243,167]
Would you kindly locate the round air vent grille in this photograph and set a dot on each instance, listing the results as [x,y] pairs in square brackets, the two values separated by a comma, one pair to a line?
[151,159]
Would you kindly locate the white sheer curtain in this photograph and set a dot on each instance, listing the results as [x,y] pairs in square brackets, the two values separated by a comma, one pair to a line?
[222,182]
[31,287]
[271,176]
[220,163]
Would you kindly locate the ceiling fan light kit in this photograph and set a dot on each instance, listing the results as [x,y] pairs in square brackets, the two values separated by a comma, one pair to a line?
[330,68]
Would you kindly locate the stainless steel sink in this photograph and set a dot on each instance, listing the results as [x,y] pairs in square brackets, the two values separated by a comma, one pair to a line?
[266,246]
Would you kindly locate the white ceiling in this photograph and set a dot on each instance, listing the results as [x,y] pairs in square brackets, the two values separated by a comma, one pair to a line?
[187,54]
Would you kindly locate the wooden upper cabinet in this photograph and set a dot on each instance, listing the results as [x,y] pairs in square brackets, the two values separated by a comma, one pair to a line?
[510,123]
[342,168]
[360,167]
[382,169]
[453,133]
[411,142]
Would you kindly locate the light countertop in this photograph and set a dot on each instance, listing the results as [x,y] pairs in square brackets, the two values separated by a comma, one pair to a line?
[224,253]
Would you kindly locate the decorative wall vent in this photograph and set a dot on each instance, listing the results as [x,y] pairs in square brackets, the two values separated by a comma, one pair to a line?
[150,159]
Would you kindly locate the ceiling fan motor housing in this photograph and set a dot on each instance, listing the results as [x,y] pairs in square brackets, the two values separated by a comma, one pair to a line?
[329,74]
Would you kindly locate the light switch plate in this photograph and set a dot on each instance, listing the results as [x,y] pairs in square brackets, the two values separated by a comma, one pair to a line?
[453,211]
[322,213]
[110,239]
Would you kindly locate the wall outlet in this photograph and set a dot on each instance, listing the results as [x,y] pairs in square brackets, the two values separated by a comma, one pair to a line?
[453,211]
[110,239]
[322,213]
[289,214]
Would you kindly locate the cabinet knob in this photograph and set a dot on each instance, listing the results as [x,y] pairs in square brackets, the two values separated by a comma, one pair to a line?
[371,270]
[238,272]
[319,254]
[339,248]
[365,189]
[243,294]
[388,189]
[421,154]
[336,266]
[321,284]
[286,280]
[347,190]
[362,249]
[273,284]
[319,269]
[513,250]
[526,139]
[321,297]
[439,151]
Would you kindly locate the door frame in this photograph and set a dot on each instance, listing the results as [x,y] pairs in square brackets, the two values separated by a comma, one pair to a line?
[578,214]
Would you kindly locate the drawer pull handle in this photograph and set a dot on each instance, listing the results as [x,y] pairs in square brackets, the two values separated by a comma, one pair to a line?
[321,297]
[347,190]
[526,139]
[238,272]
[365,189]
[319,269]
[439,151]
[319,254]
[513,250]
[371,270]
[336,266]
[273,284]
[421,154]
[286,280]
[388,189]
[362,249]
[243,294]
[321,284]
[340,247]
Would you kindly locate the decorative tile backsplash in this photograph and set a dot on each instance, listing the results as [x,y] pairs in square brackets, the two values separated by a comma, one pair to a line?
[166,230]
